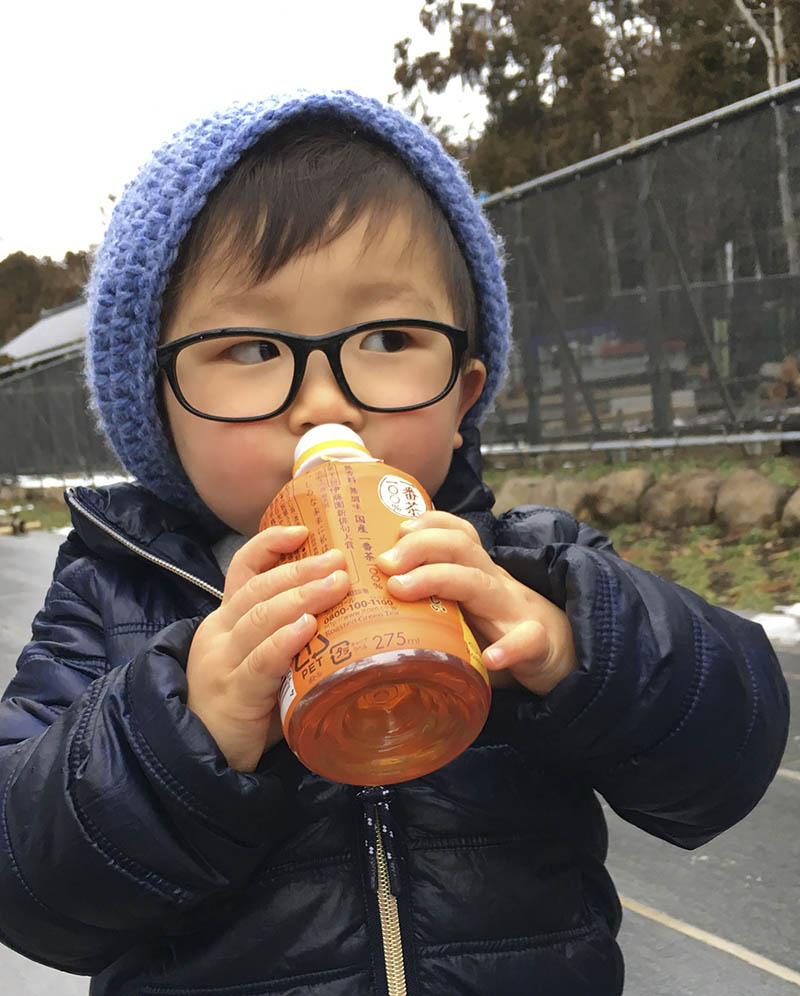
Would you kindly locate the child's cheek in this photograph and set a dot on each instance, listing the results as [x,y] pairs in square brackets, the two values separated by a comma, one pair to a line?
[237,469]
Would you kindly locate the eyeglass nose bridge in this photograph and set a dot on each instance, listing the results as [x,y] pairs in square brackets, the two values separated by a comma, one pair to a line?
[330,345]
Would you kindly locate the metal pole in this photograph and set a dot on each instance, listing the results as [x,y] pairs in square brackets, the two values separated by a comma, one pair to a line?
[658,443]
[561,335]
[526,336]
[712,358]
[658,366]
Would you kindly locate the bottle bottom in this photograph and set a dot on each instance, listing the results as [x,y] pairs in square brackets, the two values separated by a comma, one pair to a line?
[382,721]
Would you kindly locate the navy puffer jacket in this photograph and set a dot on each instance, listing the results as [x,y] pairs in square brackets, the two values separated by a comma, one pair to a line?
[131,852]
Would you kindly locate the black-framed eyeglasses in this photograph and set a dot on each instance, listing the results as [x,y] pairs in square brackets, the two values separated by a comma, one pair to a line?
[248,374]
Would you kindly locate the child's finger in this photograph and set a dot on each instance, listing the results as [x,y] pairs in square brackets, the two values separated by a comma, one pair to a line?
[526,644]
[436,519]
[260,553]
[531,654]
[265,586]
[433,545]
[273,656]
[268,616]
[472,587]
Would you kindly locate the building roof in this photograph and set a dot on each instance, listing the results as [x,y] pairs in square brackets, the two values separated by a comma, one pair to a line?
[59,331]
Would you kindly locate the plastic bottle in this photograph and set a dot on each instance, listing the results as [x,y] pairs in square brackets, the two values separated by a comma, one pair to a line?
[387,690]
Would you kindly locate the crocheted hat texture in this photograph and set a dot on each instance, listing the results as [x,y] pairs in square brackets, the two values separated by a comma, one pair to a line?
[155,212]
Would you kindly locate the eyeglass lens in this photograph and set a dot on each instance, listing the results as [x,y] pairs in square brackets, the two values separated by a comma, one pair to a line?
[245,376]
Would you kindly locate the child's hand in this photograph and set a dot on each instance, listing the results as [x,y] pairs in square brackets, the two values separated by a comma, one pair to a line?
[242,649]
[521,631]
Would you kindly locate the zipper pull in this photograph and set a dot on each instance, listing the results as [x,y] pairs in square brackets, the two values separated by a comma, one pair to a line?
[378,819]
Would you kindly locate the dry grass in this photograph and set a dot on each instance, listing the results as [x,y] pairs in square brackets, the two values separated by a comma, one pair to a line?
[755,570]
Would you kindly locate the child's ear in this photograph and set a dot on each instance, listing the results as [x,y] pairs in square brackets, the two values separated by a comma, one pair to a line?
[472,380]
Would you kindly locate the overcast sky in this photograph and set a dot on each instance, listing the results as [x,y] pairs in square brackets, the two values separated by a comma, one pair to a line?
[91,87]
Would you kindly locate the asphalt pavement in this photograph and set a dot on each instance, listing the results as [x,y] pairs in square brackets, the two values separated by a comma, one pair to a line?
[723,920]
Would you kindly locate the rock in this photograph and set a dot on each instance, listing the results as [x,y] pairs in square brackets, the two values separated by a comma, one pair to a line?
[615,497]
[748,500]
[790,520]
[687,499]
[525,491]
[573,494]
[10,494]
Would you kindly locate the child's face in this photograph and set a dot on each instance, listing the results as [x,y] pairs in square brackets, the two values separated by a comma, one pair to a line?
[238,468]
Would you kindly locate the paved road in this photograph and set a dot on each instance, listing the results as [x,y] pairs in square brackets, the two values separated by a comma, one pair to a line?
[720,921]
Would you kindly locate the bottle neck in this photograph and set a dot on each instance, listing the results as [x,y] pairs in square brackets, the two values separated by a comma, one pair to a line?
[344,451]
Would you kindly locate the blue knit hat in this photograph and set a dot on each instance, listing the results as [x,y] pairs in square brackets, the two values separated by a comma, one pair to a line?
[154,214]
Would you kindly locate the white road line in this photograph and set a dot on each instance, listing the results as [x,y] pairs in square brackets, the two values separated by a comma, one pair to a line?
[789,773]
[757,960]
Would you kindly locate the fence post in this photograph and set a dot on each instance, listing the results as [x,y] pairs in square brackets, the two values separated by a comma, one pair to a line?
[555,300]
[526,333]
[657,363]
[700,325]
[574,377]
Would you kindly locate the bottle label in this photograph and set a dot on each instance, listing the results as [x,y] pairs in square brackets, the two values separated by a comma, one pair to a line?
[357,507]
[400,496]
[287,693]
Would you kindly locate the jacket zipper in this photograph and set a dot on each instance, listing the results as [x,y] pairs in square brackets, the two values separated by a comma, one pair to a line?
[384,878]
[390,925]
[72,499]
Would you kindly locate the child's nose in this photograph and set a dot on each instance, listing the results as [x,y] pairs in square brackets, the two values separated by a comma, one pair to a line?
[320,399]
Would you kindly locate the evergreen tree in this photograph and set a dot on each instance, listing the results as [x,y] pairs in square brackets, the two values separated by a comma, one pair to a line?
[564,81]
[29,285]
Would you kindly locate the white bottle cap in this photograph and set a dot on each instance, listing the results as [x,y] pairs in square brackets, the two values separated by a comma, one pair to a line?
[328,442]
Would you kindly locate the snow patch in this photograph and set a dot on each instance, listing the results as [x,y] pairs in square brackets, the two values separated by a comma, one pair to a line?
[781,626]
[92,481]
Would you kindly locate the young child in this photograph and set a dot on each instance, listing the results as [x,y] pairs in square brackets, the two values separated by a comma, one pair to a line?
[158,834]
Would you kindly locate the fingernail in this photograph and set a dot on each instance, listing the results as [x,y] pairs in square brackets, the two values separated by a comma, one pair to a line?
[390,557]
[402,579]
[327,557]
[494,656]
[296,530]
[332,580]
[302,623]
[407,524]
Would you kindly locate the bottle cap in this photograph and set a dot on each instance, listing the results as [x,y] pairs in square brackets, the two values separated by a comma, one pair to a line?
[328,442]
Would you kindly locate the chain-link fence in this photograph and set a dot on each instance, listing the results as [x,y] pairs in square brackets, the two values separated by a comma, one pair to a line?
[46,427]
[656,293]
[656,288]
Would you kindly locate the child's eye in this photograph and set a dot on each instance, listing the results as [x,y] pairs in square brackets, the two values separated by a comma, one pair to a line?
[386,341]
[251,351]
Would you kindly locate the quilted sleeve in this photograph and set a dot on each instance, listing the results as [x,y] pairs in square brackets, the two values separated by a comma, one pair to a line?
[678,711]
[119,817]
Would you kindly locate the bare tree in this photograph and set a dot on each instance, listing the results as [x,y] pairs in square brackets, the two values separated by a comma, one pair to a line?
[777,73]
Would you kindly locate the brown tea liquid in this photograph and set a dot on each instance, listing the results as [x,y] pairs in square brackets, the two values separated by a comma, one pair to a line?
[386,691]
